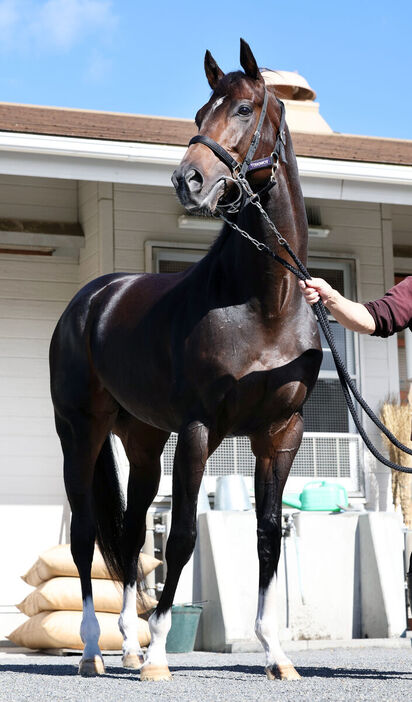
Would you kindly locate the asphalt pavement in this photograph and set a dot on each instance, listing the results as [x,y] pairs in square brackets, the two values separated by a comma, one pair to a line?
[333,674]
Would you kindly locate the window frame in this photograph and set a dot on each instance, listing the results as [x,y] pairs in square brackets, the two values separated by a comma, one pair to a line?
[348,265]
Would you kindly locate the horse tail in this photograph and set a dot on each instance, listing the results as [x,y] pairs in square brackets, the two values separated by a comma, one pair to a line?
[109,509]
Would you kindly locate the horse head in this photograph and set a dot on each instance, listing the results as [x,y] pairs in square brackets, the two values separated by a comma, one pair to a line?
[205,179]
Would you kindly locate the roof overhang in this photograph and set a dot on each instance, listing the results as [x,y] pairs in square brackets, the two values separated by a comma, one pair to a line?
[152,164]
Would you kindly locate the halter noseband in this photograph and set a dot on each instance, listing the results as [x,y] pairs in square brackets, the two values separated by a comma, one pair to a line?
[239,170]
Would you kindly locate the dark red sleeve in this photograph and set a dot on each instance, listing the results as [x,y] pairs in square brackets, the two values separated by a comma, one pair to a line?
[393,312]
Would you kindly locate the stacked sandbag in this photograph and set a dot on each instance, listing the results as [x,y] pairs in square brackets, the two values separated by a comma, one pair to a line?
[54,608]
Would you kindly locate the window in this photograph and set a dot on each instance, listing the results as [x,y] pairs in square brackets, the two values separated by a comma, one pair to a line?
[172,257]
[169,261]
[404,385]
[326,409]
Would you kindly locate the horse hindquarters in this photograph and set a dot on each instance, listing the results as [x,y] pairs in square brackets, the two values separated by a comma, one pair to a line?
[274,458]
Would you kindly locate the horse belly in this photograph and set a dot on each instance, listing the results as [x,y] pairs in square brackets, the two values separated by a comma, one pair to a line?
[144,399]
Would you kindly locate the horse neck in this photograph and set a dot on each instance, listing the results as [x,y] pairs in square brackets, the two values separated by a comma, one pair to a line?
[272,285]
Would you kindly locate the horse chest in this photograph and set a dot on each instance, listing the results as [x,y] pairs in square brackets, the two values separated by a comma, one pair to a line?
[233,342]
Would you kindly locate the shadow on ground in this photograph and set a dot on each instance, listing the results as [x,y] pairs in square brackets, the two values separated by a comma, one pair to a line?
[242,671]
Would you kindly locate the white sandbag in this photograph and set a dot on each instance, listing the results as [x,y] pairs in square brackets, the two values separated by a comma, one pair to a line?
[62,630]
[64,593]
[58,561]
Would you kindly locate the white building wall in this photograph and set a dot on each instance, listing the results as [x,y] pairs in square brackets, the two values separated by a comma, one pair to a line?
[50,199]
[96,219]
[402,225]
[34,291]
[142,214]
[89,221]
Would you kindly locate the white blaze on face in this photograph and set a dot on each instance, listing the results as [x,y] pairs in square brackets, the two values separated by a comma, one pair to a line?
[218,102]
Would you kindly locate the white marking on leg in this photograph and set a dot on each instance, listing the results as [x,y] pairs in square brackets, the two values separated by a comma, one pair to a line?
[159,628]
[266,626]
[128,623]
[90,630]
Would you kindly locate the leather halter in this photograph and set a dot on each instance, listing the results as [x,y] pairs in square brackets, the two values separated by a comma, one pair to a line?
[239,170]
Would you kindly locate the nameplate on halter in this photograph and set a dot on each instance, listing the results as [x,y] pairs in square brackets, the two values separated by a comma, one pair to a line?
[261,163]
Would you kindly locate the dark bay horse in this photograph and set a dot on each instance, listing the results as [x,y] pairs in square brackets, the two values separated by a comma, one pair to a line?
[228,347]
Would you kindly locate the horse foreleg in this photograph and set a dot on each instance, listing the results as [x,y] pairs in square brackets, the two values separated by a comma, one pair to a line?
[142,490]
[190,459]
[143,446]
[133,656]
[272,471]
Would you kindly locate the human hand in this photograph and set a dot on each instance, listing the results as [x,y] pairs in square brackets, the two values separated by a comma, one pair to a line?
[316,289]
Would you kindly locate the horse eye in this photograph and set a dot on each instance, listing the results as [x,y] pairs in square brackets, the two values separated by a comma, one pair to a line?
[244,110]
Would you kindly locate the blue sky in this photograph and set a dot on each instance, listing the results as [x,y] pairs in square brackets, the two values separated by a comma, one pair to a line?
[147,57]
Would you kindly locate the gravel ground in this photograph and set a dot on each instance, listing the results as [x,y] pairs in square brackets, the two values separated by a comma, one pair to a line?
[333,674]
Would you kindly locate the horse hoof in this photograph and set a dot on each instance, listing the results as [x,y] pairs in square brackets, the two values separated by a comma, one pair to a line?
[282,672]
[132,660]
[90,667]
[155,672]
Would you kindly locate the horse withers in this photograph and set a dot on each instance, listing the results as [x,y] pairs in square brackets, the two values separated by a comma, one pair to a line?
[227,347]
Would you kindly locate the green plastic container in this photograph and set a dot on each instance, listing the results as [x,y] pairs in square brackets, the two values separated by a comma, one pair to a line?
[319,496]
[182,635]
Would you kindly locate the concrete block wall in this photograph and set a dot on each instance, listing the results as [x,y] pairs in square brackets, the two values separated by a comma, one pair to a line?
[341,577]
[381,544]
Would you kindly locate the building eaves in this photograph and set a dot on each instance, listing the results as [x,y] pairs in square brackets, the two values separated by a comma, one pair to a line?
[121,127]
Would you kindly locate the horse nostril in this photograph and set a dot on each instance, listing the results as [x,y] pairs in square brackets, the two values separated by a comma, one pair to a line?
[194,180]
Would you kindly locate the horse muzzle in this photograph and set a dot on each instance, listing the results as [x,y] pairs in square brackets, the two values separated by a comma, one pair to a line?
[192,191]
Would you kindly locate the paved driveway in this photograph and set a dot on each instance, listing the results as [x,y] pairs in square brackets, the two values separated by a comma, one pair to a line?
[334,674]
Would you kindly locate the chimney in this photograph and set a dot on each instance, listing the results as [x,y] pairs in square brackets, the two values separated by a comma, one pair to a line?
[302,113]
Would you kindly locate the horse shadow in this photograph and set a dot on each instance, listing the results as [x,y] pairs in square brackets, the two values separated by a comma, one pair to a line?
[210,671]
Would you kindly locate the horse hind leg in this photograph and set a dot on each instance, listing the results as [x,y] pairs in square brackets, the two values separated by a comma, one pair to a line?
[190,459]
[85,445]
[273,464]
[143,445]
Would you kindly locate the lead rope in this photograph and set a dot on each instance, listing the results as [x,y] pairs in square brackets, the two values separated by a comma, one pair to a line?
[346,381]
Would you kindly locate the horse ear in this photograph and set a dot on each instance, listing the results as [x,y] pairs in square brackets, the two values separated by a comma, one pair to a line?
[212,70]
[248,61]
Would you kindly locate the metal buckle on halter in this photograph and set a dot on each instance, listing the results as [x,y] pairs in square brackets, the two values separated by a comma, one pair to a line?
[274,167]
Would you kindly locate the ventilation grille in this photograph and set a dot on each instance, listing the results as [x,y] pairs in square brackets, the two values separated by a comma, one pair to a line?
[320,456]
[167,266]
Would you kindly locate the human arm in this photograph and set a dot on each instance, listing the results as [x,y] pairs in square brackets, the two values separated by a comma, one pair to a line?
[352,315]
[393,312]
